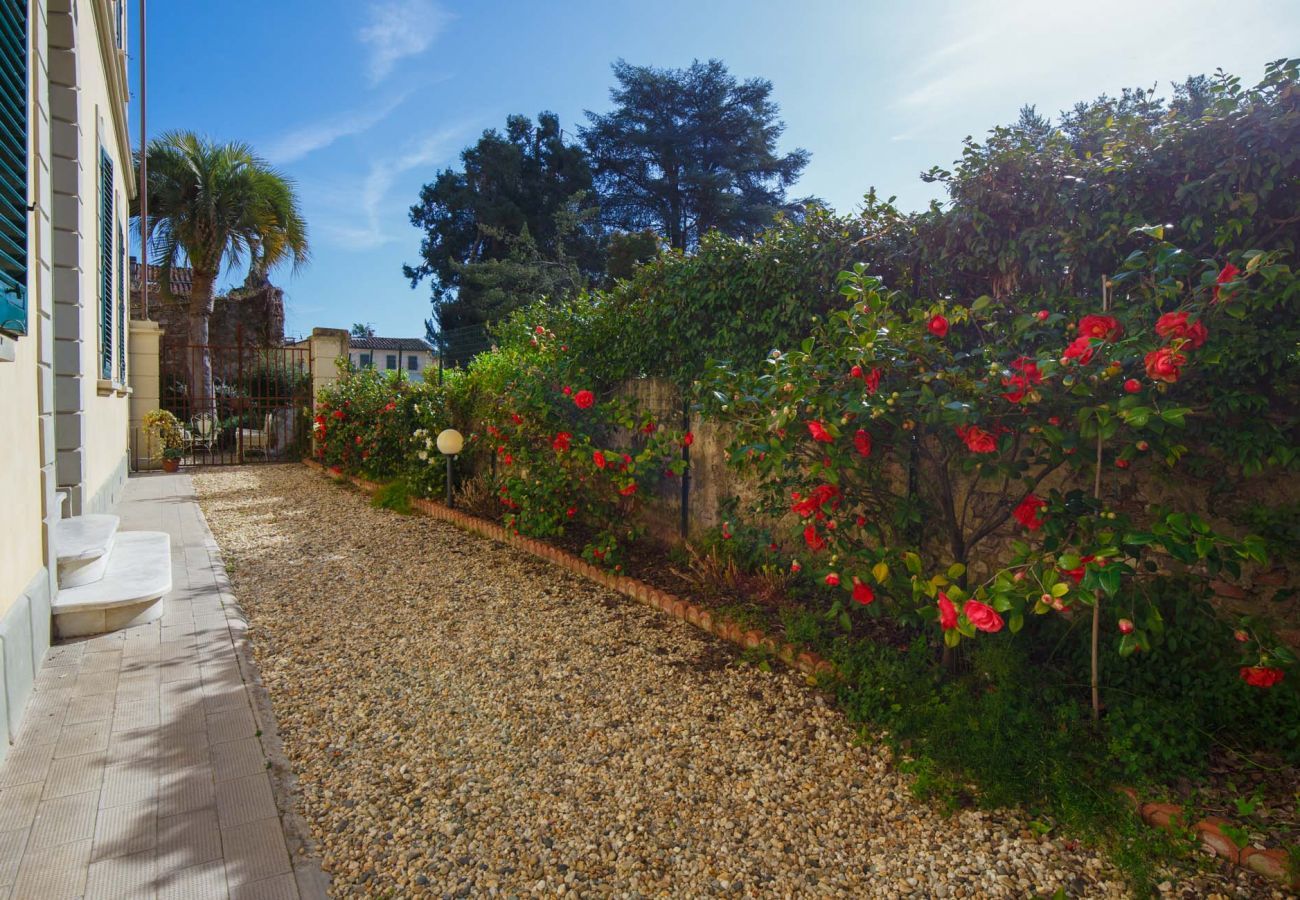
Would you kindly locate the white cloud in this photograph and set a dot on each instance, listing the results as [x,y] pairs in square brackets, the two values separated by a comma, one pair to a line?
[397,29]
[296,144]
[995,52]
[362,219]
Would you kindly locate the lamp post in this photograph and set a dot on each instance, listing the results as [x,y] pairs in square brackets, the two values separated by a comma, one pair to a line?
[450,442]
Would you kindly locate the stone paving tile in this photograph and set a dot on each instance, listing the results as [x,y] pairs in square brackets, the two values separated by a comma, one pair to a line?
[12,844]
[128,783]
[186,789]
[189,838]
[205,881]
[26,764]
[126,830]
[254,851]
[86,737]
[122,877]
[75,775]
[243,800]
[58,873]
[18,805]
[63,820]
[281,887]
[237,759]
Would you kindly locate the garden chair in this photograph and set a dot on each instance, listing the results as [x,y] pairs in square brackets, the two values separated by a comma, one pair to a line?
[202,433]
[261,440]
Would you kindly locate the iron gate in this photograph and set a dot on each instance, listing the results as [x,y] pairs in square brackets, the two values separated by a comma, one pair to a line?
[258,408]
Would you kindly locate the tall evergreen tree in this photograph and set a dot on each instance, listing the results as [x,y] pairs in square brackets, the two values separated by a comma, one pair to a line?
[521,208]
[689,150]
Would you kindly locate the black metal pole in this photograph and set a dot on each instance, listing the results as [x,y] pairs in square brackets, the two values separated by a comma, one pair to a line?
[450,504]
[686,473]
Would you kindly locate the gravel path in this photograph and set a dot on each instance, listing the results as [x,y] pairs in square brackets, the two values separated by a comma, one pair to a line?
[465,720]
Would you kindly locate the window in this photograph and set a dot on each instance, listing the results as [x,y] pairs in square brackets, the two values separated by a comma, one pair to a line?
[13,167]
[365,360]
[413,363]
[392,361]
[107,295]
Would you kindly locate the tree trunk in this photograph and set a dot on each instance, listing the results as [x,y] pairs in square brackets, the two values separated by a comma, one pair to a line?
[203,398]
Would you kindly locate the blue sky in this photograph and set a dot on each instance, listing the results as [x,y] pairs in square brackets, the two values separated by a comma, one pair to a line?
[362,101]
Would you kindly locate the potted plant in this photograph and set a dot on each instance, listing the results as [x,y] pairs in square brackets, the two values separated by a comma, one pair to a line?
[167,429]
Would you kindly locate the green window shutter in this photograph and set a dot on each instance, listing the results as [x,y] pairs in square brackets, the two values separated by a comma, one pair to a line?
[106,260]
[121,307]
[13,167]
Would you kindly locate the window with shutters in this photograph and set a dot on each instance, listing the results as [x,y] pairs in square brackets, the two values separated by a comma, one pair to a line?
[13,167]
[392,361]
[107,258]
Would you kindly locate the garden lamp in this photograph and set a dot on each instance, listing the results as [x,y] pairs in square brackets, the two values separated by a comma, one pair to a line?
[450,442]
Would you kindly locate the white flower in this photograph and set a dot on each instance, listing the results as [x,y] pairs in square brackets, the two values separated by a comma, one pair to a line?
[423,455]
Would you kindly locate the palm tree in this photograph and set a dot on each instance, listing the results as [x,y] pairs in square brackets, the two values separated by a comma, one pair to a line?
[210,205]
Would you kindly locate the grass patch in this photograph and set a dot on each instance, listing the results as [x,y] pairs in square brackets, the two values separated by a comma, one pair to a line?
[395,496]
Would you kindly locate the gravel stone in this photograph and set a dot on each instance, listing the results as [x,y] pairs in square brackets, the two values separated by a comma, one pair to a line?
[466,720]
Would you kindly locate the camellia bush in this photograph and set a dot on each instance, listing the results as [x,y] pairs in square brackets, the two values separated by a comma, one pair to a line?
[384,426]
[964,468]
[565,455]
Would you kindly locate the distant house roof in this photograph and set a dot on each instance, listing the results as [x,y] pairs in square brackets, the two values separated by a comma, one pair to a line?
[182,278]
[386,343]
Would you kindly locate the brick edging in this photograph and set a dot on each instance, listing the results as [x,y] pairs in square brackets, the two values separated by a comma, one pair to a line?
[1269,863]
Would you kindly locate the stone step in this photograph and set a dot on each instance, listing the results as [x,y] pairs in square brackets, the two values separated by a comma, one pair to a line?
[138,574]
[82,545]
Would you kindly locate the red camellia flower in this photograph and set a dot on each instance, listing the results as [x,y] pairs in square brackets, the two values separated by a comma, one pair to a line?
[819,432]
[861,521]
[856,372]
[688,438]
[947,613]
[599,459]
[1027,375]
[516,418]
[1132,385]
[862,441]
[561,442]
[571,511]
[1165,364]
[862,593]
[1106,328]
[1227,274]
[938,326]
[1080,350]
[566,390]
[1175,325]
[816,499]
[1029,512]
[584,399]
[508,459]
[794,565]
[815,541]
[872,381]
[1261,676]
[629,490]
[976,439]
[982,616]
[649,427]
[833,580]
[338,414]
[1125,626]
[1042,315]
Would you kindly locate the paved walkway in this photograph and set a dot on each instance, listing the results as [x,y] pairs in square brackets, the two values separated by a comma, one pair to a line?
[148,764]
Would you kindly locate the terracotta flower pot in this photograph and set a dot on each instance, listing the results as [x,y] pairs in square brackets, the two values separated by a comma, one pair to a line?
[171,465]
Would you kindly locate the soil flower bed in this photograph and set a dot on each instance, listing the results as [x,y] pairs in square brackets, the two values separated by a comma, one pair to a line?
[466,720]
